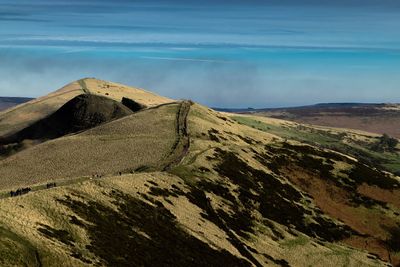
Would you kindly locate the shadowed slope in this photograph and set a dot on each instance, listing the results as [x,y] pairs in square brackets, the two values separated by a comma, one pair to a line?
[81,113]
[24,115]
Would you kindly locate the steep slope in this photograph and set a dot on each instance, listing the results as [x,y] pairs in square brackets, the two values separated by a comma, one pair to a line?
[80,113]
[217,193]
[24,115]
[266,177]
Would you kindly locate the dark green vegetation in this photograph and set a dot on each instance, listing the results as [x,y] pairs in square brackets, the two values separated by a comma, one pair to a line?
[264,193]
[385,143]
[394,241]
[155,240]
[278,201]
[340,142]
[321,162]
[178,184]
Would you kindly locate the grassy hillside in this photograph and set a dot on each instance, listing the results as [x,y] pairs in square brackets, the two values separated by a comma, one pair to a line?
[269,176]
[144,219]
[184,185]
[141,140]
[357,144]
[376,118]
[80,113]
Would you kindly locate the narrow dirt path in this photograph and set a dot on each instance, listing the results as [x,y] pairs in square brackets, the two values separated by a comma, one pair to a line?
[181,146]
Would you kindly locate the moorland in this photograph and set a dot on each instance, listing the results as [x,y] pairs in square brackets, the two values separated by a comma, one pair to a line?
[102,174]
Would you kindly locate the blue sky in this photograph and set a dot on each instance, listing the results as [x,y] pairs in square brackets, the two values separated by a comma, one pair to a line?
[220,53]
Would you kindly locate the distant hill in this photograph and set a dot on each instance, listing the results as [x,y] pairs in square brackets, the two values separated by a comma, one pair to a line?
[377,118]
[8,102]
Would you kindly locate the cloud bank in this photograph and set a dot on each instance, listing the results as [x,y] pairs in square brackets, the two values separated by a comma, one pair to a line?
[220,53]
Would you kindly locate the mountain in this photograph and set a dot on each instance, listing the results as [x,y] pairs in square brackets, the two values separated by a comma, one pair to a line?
[174,183]
[21,116]
[8,102]
[376,118]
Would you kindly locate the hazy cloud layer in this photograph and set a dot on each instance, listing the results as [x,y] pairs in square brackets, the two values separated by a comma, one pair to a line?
[220,53]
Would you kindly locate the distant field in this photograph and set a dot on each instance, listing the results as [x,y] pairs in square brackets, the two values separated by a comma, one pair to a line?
[8,102]
[375,118]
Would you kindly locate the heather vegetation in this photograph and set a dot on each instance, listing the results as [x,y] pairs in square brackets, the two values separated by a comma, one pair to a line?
[179,184]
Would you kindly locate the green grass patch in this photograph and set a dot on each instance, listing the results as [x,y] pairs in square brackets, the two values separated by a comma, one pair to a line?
[16,251]
[329,140]
[299,241]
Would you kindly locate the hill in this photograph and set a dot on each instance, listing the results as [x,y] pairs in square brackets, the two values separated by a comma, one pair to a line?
[181,184]
[8,102]
[80,113]
[145,137]
[21,116]
[375,118]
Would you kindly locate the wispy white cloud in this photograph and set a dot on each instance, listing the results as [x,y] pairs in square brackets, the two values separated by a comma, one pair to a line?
[188,59]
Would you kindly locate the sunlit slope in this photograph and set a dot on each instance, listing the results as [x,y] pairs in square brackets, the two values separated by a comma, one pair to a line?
[150,219]
[226,192]
[355,143]
[252,177]
[143,139]
[117,91]
[21,116]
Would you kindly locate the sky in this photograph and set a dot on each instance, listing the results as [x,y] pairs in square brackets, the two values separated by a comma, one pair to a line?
[235,54]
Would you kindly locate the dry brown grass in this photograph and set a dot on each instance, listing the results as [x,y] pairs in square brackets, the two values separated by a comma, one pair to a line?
[297,250]
[141,139]
[374,123]
[21,116]
[116,91]
[23,216]
[145,139]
